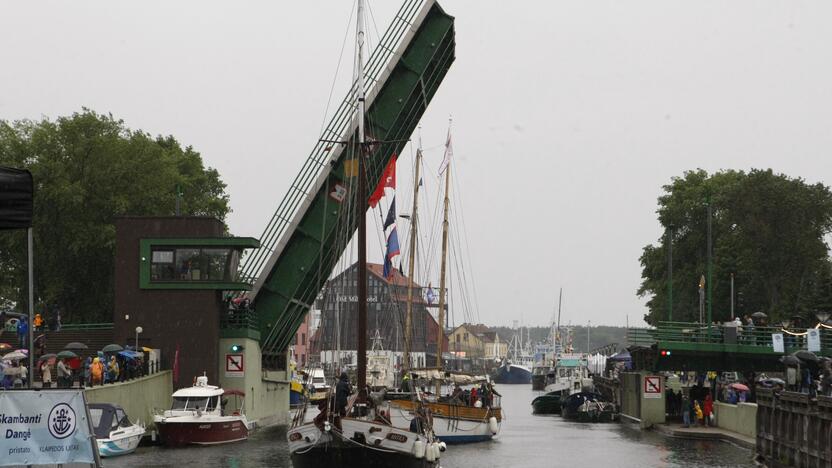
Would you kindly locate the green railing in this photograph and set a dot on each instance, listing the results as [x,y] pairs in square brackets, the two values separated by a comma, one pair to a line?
[87,326]
[757,338]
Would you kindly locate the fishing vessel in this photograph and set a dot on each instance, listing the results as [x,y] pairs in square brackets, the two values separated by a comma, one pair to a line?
[114,433]
[316,384]
[359,433]
[517,367]
[567,377]
[198,417]
[588,407]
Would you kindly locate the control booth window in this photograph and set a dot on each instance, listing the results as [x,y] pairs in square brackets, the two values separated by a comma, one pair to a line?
[193,264]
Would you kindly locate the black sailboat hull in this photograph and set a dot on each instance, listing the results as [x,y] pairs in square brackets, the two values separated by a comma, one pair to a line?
[356,457]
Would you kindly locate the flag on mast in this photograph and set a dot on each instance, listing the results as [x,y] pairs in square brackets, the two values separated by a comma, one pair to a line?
[388,180]
[392,251]
[449,151]
[391,214]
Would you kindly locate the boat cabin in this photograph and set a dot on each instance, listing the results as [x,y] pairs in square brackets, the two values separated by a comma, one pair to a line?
[107,418]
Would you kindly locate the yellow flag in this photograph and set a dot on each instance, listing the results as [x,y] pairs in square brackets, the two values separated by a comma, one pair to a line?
[351,168]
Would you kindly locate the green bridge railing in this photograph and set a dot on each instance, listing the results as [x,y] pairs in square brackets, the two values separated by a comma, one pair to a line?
[756,339]
[87,326]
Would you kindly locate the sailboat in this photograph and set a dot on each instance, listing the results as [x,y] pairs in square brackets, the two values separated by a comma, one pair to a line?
[361,435]
[453,421]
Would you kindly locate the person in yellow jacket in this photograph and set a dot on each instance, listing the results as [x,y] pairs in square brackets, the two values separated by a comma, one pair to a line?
[700,416]
[97,371]
[37,322]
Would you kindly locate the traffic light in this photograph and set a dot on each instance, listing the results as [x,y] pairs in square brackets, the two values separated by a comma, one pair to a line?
[235,348]
[665,353]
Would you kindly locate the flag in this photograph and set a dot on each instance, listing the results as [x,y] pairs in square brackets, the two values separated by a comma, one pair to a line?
[430,296]
[391,214]
[388,179]
[392,251]
[449,151]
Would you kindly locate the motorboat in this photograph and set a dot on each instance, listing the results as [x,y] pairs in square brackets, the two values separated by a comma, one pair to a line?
[588,407]
[198,416]
[317,386]
[114,433]
[569,376]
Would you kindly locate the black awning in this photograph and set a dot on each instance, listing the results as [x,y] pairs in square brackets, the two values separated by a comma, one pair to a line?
[15,198]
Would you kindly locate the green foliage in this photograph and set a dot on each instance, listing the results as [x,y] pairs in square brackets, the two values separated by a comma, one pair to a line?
[768,230]
[89,169]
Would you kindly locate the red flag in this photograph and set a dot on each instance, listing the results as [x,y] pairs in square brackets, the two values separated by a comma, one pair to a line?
[388,179]
[176,365]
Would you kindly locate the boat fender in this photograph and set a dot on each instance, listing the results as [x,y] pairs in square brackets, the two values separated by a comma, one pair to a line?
[327,426]
[493,426]
[443,446]
[437,451]
[418,449]
[478,404]
[431,453]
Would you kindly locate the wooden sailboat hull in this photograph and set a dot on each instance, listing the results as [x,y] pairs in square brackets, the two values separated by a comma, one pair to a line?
[452,424]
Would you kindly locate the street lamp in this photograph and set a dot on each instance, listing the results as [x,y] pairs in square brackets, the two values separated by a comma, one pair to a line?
[138,330]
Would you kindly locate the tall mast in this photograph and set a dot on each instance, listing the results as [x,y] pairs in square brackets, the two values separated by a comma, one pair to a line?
[557,330]
[361,376]
[408,321]
[441,317]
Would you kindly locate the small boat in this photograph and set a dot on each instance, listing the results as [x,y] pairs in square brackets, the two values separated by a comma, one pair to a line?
[588,407]
[452,423]
[114,432]
[198,417]
[548,403]
[318,387]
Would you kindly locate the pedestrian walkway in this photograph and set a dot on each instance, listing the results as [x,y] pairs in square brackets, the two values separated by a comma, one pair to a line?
[708,433]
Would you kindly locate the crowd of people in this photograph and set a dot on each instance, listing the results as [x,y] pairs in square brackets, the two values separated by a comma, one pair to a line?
[482,396]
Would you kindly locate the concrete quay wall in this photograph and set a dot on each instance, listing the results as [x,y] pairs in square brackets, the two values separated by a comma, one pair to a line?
[740,418]
[140,398]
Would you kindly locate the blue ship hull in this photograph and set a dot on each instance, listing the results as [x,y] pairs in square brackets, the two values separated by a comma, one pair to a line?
[511,374]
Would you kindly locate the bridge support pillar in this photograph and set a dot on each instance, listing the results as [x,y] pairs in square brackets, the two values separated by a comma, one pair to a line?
[642,398]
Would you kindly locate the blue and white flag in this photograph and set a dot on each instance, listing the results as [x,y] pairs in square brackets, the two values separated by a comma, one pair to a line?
[392,251]
[391,214]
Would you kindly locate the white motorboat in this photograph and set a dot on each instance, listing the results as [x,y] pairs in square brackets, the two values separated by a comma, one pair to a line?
[198,417]
[114,432]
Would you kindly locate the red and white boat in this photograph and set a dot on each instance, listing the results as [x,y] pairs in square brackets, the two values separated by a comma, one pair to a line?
[198,417]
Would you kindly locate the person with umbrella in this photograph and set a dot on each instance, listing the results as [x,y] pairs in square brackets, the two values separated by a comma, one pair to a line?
[46,373]
[63,374]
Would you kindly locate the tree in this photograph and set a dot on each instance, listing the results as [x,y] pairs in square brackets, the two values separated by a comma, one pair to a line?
[768,231]
[88,169]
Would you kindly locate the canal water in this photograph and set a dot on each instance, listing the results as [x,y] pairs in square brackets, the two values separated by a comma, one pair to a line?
[525,441]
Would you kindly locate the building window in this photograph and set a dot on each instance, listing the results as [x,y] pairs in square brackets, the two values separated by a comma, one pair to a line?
[466,337]
[458,337]
[303,339]
[193,264]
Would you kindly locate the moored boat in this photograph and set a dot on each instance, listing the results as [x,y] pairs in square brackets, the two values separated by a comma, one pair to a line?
[197,417]
[588,407]
[452,423]
[548,403]
[510,373]
[114,433]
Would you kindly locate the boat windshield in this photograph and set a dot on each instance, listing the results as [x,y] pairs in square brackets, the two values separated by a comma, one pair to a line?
[192,403]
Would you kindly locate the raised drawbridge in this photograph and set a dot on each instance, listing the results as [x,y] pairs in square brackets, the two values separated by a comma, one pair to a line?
[299,246]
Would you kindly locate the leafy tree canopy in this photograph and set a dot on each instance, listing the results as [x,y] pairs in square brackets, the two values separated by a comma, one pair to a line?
[768,231]
[88,169]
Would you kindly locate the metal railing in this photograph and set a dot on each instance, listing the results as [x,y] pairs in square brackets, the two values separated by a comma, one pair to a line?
[239,319]
[339,128]
[87,326]
[759,337]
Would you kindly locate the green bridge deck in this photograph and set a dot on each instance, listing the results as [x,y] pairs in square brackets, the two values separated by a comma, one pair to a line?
[674,346]
[304,239]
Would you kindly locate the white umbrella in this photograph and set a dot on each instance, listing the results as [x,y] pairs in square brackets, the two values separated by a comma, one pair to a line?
[16,355]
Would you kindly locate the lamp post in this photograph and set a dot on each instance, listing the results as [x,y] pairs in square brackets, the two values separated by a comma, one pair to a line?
[588,325]
[138,330]
[710,265]
[670,273]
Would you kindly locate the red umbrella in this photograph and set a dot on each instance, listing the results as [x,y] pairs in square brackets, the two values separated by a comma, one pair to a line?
[740,387]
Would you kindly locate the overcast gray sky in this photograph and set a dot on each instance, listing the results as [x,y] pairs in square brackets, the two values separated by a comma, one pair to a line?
[568,115]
